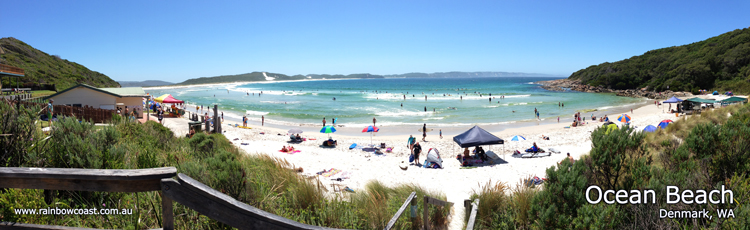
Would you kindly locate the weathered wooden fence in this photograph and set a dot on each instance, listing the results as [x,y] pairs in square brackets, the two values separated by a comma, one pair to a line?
[85,113]
[433,201]
[184,190]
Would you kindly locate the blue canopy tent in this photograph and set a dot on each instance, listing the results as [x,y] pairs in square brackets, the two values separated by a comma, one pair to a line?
[475,137]
[716,93]
[673,99]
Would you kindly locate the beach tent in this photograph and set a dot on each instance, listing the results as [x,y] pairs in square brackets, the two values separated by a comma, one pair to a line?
[716,93]
[650,129]
[477,136]
[729,93]
[611,127]
[673,99]
[663,124]
[433,158]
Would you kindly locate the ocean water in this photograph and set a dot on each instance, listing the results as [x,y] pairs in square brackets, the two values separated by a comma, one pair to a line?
[398,101]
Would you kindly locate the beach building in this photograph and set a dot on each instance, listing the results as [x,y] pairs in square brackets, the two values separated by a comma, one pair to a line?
[103,98]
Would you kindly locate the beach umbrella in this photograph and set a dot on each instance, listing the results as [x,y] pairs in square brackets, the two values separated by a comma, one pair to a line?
[328,129]
[370,129]
[518,138]
[295,131]
[650,129]
[624,118]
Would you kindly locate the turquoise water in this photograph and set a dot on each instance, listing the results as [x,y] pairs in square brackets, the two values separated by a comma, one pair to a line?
[450,101]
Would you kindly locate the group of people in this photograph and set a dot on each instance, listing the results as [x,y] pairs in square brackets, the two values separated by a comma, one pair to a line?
[129,115]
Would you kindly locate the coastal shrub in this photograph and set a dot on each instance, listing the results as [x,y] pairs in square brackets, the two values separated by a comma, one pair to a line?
[727,146]
[598,216]
[20,123]
[555,206]
[617,159]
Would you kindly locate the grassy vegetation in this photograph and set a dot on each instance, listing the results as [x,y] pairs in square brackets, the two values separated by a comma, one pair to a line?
[704,152]
[259,180]
[720,63]
[40,67]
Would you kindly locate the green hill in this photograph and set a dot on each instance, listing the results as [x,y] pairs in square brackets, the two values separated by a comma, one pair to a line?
[43,68]
[720,63]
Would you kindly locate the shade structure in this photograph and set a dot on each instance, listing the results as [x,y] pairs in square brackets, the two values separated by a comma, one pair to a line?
[716,93]
[328,129]
[167,98]
[734,99]
[370,129]
[294,131]
[650,129]
[517,138]
[663,124]
[701,100]
[624,118]
[672,99]
[477,136]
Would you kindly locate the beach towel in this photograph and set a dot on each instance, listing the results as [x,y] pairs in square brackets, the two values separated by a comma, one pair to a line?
[331,172]
[554,150]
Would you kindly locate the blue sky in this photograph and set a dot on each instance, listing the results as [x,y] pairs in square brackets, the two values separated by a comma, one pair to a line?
[178,40]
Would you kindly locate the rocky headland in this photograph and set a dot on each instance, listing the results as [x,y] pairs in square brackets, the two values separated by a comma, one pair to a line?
[575,85]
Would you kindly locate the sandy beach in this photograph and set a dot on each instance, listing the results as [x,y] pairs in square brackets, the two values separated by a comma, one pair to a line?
[456,183]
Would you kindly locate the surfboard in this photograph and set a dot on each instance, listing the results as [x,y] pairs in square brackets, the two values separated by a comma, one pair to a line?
[353,146]
[428,130]
[244,127]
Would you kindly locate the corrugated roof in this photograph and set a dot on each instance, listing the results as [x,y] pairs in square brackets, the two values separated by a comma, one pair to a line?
[126,91]
[117,92]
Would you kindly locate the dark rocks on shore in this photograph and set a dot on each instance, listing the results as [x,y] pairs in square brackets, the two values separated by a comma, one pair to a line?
[575,85]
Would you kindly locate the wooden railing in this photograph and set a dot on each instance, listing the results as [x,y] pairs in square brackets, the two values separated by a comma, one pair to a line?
[473,216]
[184,190]
[102,180]
[409,200]
[11,69]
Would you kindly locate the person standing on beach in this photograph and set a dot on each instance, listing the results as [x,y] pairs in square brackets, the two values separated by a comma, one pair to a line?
[410,143]
[558,119]
[324,122]
[373,122]
[222,116]
[262,120]
[424,132]
[244,120]
[160,115]
[417,150]
[441,133]
[462,97]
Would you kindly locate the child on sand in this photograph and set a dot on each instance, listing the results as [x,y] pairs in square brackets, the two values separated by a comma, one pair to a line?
[441,133]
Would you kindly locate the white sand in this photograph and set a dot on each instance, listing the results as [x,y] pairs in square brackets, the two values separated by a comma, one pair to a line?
[456,183]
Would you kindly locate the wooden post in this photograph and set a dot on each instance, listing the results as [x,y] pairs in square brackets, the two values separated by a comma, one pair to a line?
[414,214]
[467,209]
[425,223]
[167,216]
